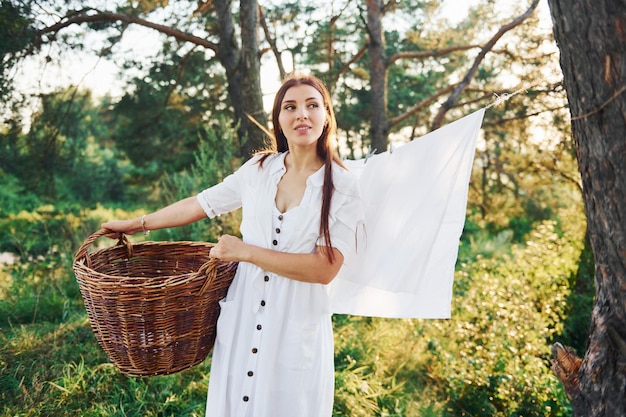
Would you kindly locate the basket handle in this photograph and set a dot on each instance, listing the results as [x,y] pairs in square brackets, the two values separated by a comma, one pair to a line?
[121,240]
[209,269]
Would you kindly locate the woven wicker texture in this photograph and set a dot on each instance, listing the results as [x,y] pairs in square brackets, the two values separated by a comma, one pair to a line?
[153,306]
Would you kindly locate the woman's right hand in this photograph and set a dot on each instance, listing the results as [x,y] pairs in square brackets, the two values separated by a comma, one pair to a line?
[128,227]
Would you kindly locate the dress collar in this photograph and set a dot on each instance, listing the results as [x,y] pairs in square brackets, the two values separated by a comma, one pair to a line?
[278,167]
[316,179]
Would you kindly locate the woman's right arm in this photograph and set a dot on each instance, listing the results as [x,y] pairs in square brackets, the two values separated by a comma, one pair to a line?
[180,213]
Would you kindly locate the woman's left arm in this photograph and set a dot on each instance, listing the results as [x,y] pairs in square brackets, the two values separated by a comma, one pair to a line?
[307,267]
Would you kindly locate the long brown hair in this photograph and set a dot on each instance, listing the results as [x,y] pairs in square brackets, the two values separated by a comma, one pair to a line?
[325,150]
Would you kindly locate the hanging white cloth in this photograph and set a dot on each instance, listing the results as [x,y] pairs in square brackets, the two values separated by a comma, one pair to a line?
[415,200]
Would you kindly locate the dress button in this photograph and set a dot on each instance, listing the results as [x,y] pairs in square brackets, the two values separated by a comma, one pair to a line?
[259,327]
[266,278]
[246,398]
[250,373]
[275,242]
[262,303]
[255,350]
[277,230]
[280,217]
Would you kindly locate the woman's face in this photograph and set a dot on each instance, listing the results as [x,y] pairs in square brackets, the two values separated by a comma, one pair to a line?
[302,116]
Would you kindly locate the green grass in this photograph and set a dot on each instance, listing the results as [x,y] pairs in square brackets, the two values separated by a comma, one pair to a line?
[55,369]
[490,359]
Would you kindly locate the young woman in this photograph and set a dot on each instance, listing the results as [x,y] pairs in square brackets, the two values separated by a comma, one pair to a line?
[301,210]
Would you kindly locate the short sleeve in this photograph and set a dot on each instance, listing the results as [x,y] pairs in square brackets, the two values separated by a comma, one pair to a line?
[347,222]
[227,195]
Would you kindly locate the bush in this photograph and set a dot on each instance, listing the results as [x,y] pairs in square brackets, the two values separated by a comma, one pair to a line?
[14,197]
[490,359]
[495,351]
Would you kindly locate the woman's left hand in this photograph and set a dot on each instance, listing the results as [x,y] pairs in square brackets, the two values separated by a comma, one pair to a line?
[229,248]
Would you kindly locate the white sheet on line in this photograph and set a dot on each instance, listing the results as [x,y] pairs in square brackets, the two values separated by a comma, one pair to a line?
[415,201]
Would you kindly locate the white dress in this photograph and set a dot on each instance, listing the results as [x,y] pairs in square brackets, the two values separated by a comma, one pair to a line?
[273,356]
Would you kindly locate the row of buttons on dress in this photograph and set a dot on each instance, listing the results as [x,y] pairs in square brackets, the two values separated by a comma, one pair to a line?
[266,279]
[277,231]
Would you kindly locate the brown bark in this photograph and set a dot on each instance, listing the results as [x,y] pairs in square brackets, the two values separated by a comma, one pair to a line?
[250,68]
[592,40]
[242,67]
[378,76]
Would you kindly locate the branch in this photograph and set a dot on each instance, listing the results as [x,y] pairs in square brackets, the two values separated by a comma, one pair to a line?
[331,83]
[486,95]
[565,365]
[424,103]
[272,42]
[470,74]
[346,66]
[202,8]
[523,116]
[429,54]
[78,18]
[331,26]
[574,180]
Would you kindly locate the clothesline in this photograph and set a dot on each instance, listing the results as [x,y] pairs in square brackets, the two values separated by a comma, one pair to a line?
[498,99]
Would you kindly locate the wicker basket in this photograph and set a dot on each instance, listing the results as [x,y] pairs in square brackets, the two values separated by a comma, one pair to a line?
[153,306]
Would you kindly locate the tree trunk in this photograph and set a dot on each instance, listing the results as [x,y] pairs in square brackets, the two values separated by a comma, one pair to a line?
[250,67]
[378,77]
[243,71]
[592,39]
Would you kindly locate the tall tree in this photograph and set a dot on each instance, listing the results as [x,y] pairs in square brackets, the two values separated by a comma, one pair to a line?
[386,79]
[239,59]
[416,64]
[16,34]
[593,62]
[379,126]
[380,64]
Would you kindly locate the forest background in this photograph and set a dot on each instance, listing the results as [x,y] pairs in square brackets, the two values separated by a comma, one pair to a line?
[71,159]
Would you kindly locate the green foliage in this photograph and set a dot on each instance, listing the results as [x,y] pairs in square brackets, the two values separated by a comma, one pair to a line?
[50,363]
[59,370]
[13,195]
[33,234]
[509,311]
[63,157]
[38,290]
[214,160]
[38,286]
[523,279]
[378,370]
[16,34]
[575,332]
[490,358]
[159,122]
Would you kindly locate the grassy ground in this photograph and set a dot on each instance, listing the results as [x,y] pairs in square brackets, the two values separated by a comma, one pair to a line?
[490,359]
[57,369]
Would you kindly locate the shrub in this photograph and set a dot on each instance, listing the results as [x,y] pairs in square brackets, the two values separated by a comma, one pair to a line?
[214,160]
[490,359]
